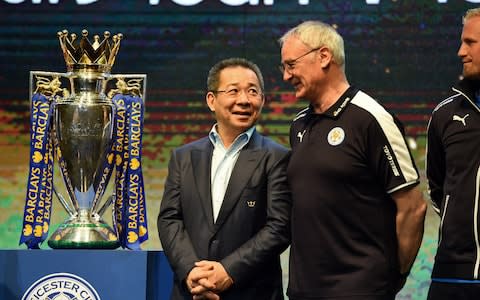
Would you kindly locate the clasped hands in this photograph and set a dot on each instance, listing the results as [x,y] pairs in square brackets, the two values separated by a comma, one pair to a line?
[207,279]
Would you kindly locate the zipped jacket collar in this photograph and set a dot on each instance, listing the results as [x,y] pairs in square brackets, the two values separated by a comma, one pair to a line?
[467,88]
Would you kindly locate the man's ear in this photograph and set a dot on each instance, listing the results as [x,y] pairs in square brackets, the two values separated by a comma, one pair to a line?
[210,99]
[326,57]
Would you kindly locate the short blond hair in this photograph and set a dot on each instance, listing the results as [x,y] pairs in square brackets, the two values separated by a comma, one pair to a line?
[317,34]
[473,12]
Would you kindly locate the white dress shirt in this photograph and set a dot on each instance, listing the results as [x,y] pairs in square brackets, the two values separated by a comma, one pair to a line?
[223,162]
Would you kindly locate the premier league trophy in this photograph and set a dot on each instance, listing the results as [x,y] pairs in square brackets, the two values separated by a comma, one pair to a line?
[92,122]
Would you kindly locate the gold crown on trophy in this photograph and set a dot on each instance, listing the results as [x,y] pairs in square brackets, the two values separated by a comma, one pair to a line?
[82,52]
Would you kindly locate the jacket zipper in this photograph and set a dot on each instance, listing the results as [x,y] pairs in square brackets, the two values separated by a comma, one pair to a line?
[475,211]
[475,224]
[442,218]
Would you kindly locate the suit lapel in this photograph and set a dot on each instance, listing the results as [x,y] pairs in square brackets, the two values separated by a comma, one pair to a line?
[201,165]
[245,166]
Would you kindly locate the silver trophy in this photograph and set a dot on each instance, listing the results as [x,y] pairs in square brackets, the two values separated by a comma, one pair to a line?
[83,134]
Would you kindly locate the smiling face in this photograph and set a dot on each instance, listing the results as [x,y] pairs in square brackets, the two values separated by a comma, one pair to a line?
[305,73]
[469,50]
[237,103]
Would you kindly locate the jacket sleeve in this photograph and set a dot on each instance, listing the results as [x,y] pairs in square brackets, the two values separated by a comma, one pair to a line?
[270,241]
[435,164]
[175,239]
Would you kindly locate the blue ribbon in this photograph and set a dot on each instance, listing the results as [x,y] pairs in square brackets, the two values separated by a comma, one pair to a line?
[38,200]
[129,208]
[120,137]
[130,216]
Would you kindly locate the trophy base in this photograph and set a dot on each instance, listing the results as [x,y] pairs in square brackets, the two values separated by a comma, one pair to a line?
[74,234]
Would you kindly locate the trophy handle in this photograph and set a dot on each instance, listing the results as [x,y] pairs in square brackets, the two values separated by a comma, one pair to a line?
[49,83]
[105,205]
[64,203]
[128,84]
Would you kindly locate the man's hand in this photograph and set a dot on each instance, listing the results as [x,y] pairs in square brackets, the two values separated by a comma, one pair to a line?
[197,280]
[213,277]
[207,296]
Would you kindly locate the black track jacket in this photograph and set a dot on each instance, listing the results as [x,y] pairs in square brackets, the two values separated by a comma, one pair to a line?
[453,173]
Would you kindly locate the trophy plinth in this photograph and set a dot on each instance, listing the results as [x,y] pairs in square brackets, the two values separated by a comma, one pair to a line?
[84,232]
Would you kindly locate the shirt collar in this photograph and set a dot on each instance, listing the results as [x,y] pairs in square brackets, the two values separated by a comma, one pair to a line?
[339,106]
[215,137]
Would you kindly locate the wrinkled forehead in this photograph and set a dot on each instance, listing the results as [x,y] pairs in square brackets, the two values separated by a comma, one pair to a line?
[292,46]
[238,76]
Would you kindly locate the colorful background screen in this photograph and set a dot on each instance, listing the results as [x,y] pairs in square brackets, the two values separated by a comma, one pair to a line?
[401,52]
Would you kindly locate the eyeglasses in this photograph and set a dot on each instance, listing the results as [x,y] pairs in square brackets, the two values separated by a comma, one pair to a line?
[290,65]
[235,92]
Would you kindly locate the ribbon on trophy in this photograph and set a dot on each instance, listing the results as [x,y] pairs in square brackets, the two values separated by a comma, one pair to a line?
[92,134]
[38,202]
[129,207]
[130,216]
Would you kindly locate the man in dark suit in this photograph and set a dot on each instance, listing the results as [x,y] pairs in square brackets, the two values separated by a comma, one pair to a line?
[225,212]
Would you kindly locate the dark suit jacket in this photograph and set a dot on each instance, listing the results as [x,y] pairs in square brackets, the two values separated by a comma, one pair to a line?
[253,225]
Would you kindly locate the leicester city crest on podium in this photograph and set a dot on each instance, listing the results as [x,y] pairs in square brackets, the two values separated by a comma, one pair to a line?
[87,124]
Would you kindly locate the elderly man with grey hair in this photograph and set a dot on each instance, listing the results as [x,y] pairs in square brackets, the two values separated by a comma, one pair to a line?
[357,215]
